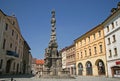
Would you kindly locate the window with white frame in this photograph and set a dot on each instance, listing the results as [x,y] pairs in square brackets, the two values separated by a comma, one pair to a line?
[114,38]
[108,29]
[110,53]
[109,41]
[115,51]
[112,25]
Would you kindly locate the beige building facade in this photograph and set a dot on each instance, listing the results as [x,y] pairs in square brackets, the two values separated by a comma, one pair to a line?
[11,45]
[91,53]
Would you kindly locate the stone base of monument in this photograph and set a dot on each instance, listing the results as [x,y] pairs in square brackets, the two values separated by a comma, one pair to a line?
[60,75]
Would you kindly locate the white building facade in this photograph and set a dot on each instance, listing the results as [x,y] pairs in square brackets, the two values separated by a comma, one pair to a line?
[112,40]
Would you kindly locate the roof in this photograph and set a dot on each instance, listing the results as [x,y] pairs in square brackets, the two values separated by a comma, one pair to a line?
[112,15]
[88,32]
[39,61]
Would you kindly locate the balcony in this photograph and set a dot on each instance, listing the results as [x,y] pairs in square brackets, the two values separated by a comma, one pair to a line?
[12,53]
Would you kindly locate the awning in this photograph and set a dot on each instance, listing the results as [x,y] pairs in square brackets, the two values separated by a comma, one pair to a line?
[12,53]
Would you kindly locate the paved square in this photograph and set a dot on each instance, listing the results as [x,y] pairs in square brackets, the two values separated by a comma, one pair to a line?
[79,78]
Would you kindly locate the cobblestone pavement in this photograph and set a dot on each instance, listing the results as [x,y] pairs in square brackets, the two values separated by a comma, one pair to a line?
[79,78]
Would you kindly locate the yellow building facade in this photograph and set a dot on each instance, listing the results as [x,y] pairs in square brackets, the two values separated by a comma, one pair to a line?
[90,53]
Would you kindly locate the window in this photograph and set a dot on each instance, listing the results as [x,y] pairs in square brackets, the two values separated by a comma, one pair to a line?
[109,41]
[20,41]
[116,23]
[85,53]
[95,50]
[100,48]
[6,26]
[13,23]
[110,53]
[99,33]
[81,55]
[115,51]
[15,49]
[12,32]
[14,66]
[1,62]
[4,43]
[90,52]
[81,43]
[89,38]
[112,25]
[107,28]
[94,36]
[78,55]
[85,41]
[11,45]
[114,39]
[16,36]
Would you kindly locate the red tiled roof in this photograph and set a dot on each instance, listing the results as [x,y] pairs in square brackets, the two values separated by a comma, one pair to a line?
[39,61]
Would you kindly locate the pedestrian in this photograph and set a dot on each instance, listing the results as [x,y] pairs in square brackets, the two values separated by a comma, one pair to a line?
[11,78]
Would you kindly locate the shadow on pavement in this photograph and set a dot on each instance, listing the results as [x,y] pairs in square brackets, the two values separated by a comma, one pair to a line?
[17,76]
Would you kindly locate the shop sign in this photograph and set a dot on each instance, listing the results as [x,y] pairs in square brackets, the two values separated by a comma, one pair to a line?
[117,62]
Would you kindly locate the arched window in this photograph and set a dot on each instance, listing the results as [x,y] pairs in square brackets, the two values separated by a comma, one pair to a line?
[101,67]
[88,68]
[80,69]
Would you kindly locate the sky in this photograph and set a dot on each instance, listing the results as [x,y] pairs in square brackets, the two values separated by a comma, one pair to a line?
[73,19]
